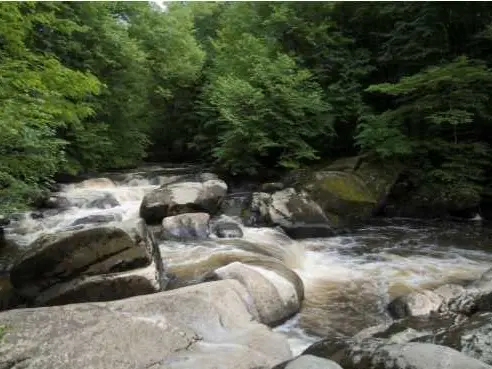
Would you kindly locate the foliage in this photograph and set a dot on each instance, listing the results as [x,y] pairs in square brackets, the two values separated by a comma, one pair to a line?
[248,86]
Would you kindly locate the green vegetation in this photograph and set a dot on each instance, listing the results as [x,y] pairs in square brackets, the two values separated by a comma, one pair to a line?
[90,86]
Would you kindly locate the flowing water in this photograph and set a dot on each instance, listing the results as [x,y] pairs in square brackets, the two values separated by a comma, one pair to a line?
[348,279]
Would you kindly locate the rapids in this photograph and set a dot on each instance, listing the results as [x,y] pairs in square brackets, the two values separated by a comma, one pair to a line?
[348,279]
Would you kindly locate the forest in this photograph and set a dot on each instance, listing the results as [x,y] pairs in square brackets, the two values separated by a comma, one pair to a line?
[247,87]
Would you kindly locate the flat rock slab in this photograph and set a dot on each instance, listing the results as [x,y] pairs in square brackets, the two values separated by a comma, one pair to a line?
[203,326]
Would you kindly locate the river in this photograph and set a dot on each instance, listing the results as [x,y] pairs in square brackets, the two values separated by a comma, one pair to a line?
[349,279]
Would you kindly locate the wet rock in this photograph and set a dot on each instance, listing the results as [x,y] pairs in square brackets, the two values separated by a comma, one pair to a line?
[96,183]
[9,298]
[257,214]
[415,304]
[106,201]
[57,202]
[348,190]
[36,215]
[186,226]
[272,187]
[448,292]
[97,218]
[236,204]
[224,228]
[309,362]
[298,215]
[58,258]
[275,298]
[105,287]
[372,354]
[379,354]
[472,337]
[207,326]
[183,197]
[476,297]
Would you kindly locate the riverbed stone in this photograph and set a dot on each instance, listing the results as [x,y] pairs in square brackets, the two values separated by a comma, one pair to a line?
[309,362]
[183,197]
[207,326]
[298,215]
[379,354]
[61,257]
[472,337]
[414,304]
[226,227]
[104,287]
[348,190]
[97,219]
[186,226]
[275,297]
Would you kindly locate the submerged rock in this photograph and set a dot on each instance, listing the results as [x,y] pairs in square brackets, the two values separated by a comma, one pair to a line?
[183,197]
[97,218]
[186,226]
[207,326]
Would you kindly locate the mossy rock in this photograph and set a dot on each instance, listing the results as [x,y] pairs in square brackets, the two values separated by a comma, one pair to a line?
[350,189]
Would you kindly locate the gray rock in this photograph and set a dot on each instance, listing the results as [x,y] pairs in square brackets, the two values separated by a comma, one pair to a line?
[258,215]
[477,297]
[57,202]
[186,226]
[415,304]
[207,326]
[271,187]
[60,257]
[224,228]
[472,337]
[105,287]
[236,204]
[97,218]
[298,215]
[96,183]
[106,201]
[309,362]
[182,197]
[275,297]
[376,354]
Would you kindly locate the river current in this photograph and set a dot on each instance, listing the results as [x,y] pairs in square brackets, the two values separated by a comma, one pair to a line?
[348,279]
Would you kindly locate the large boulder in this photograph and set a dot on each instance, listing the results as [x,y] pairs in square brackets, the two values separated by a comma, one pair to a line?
[186,226]
[183,197]
[58,265]
[293,211]
[276,298]
[473,337]
[348,190]
[374,355]
[298,215]
[379,354]
[207,326]
[104,287]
